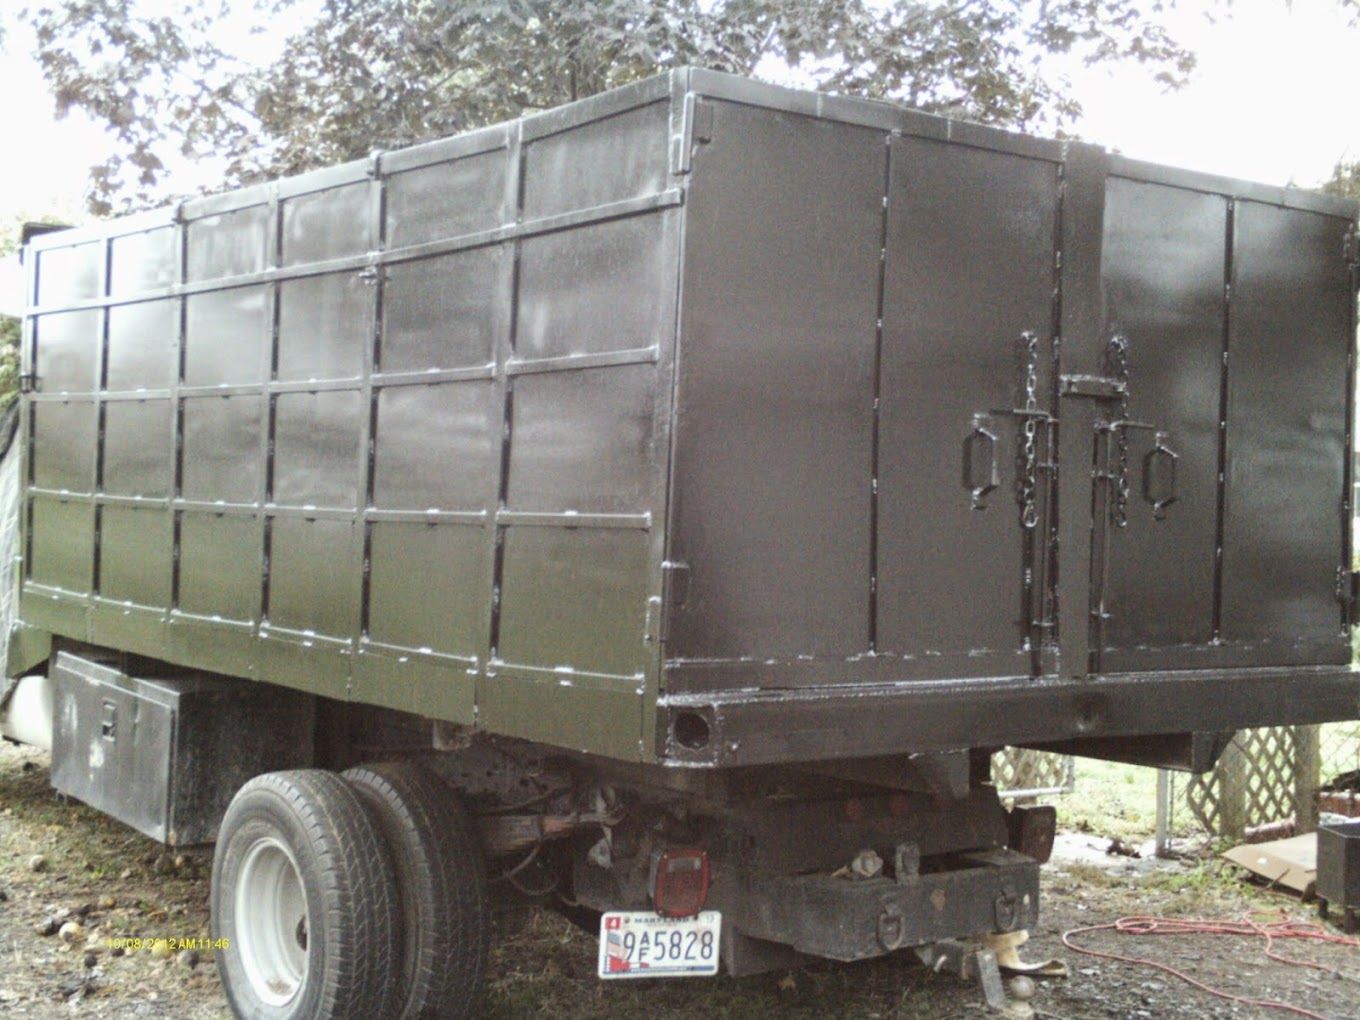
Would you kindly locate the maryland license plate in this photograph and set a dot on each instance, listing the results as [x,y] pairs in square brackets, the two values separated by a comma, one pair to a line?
[641,944]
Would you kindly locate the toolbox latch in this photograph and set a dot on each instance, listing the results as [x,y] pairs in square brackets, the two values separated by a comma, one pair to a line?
[108,721]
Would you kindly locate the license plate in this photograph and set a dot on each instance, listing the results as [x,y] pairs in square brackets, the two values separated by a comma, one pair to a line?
[640,944]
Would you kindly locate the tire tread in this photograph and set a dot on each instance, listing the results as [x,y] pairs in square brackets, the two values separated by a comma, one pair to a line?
[354,878]
[446,942]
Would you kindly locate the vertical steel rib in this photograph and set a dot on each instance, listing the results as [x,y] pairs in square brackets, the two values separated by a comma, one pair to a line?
[1042,557]
[181,230]
[369,399]
[1081,317]
[1348,464]
[101,371]
[269,357]
[878,384]
[505,351]
[1221,506]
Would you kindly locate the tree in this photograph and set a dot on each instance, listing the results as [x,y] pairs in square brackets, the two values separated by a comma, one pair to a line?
[366,74]
[1345,180]
[9,327]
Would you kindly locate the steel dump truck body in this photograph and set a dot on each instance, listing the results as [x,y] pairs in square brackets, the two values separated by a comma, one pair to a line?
[711,423]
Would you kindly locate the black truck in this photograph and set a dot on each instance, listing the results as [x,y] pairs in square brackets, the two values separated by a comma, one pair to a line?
[661,507]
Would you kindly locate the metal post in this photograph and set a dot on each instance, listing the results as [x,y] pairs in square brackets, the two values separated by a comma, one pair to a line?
[1163,844]
[1307,770]
[1232,791]
[1082,322]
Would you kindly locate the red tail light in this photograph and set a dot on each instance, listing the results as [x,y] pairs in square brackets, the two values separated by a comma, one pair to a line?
[680,887]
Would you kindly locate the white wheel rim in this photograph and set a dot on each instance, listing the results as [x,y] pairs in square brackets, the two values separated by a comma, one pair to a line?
[271,922]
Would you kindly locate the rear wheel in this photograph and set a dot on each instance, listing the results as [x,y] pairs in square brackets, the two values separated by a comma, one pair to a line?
[304,899]
[441,878]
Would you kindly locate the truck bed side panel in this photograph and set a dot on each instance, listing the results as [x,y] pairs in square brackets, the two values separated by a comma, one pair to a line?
[395,431]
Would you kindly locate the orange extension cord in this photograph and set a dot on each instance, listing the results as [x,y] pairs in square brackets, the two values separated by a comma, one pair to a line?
[1271,931]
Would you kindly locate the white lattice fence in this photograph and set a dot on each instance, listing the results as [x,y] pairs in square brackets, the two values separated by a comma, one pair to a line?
[1021,774]
[1267,780]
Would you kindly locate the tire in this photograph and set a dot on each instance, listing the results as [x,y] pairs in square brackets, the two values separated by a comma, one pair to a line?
[441,881]
[302,844]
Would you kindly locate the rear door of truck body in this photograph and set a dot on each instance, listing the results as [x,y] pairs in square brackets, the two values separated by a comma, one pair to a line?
[1235,311]
[956,404]
[859,304]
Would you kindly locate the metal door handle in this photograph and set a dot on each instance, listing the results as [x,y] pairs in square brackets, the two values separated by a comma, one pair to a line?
[1159,476]
[981,476]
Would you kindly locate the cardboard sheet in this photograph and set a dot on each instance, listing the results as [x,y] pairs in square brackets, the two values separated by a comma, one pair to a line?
[1291,862]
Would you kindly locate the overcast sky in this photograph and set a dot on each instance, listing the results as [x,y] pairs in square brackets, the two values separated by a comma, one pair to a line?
[1273,100]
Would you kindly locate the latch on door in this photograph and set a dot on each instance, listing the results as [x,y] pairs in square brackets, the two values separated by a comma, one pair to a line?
[1159,464]
[108,721]
[981,471]
[1095,387]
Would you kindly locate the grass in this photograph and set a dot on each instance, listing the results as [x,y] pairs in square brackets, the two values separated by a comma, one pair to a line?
[1113,800]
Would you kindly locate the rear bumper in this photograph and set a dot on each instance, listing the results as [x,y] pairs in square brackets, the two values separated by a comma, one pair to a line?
[840,919]
[770,726]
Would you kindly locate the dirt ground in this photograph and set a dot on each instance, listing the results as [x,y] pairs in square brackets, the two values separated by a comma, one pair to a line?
[62,863]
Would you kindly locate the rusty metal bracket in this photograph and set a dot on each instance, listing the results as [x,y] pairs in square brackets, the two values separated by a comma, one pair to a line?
[1006,946]
[973,964]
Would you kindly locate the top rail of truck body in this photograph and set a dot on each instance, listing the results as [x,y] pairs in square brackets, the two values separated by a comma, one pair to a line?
[708,422]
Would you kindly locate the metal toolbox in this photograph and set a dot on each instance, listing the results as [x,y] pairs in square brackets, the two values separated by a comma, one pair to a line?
[165,754]
[1338,871]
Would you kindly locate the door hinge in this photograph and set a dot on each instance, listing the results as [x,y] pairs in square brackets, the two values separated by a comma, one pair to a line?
[660,609]
[1350,248]
[703,122]
[1348,592]
[695,129]
[674,583]
[651,629]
